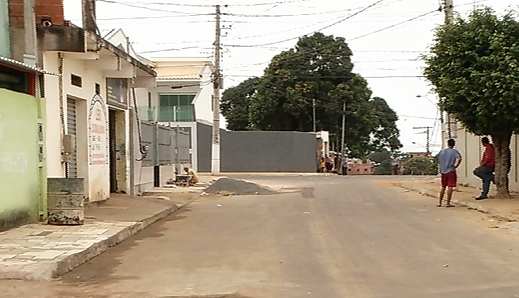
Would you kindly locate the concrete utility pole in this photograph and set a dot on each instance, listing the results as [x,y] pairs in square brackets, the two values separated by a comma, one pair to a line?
[313,108]
[448,7]
[215,152]
[343,134]
[428,133]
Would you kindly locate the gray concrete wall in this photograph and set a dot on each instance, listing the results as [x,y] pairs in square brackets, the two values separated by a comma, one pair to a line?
[259,151]
[268,151]
[204,140]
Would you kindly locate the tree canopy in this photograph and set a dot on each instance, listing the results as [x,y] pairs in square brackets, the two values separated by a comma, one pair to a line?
[420,166]
[474,67]
[319,69]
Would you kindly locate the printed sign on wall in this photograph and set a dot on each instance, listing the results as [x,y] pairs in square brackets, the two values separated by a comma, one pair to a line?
[117,90]
[98,132]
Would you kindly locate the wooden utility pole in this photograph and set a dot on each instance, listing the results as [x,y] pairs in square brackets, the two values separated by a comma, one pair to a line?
[215,152]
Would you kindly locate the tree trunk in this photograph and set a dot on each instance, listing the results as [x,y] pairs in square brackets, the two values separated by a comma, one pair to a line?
[502,147]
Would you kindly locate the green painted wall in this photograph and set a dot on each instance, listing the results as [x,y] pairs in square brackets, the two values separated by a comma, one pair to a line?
[22,184]
[4,29]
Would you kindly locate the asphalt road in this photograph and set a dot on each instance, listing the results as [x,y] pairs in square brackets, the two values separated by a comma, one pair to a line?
[341,237]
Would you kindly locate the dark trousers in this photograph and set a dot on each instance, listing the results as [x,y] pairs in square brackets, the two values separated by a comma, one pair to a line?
[344,170]
[486,174]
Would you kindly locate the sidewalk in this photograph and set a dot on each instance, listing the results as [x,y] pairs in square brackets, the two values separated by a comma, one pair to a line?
[507,209]
[42,252]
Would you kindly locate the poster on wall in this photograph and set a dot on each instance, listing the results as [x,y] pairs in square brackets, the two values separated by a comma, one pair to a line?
[98,132]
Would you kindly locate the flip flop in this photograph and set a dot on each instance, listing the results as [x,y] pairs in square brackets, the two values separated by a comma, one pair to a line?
[450,206]
[439,205]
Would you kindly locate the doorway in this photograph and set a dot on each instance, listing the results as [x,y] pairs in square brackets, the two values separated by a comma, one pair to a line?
[117,145]
[113,150]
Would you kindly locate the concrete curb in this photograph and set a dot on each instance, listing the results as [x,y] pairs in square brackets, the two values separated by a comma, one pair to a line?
[72,261]
[471,205]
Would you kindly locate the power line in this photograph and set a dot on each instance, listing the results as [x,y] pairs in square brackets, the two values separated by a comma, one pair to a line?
[289,15]
[315,31]
[146,7]
[157,17]
[366,77]
[339,105]
[167,50]
[210,5]
[394,25]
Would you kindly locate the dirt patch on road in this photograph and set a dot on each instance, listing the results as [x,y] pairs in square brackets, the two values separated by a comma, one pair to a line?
[227,186]
[209,296]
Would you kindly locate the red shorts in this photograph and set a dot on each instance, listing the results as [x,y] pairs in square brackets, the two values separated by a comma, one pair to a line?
[450,179]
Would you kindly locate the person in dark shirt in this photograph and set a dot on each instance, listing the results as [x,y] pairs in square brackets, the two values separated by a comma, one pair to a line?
[485,171]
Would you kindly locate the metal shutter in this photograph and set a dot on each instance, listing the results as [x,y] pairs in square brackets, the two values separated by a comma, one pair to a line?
[71,130]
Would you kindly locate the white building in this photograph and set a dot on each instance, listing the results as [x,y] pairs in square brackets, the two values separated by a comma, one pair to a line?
[183,96]
[469,145]
[90,108]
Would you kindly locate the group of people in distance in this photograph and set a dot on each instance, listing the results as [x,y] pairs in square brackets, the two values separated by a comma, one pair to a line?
[328,164]
[449,160]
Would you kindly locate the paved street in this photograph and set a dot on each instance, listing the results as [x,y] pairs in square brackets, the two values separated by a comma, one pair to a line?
[339,237]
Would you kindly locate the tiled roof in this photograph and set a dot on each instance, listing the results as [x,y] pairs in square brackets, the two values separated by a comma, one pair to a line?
[179,72]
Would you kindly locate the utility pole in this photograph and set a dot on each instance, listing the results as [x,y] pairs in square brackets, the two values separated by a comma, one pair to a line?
[313,107]
[428,133]
[448,7]
[215,152]
[343,133]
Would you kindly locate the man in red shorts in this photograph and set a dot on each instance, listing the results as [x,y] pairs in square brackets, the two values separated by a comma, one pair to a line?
[449,160]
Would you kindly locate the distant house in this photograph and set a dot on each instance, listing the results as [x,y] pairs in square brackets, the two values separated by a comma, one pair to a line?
[358,167]
[419,154]
[183,97]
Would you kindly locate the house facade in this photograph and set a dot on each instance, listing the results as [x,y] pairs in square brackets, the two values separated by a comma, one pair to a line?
[23,184]
[90,104]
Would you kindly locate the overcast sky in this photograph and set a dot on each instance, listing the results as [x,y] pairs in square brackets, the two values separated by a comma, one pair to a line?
[256,30]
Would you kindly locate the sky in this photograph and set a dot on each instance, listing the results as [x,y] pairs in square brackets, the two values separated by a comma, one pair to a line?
[387,38]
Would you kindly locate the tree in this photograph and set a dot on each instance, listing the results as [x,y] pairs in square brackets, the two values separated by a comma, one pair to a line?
[236,104]
[419,166]
[380,156]
[386,132]
[384,168]
[474,67]
[318,68]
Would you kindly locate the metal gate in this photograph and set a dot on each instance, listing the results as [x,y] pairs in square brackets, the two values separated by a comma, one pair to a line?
[71,130]
[167,145]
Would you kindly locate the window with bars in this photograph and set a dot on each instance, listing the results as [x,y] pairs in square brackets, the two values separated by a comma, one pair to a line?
[176,107]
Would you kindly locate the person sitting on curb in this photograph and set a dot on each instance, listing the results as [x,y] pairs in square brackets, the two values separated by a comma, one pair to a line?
[485,171]
[449,160]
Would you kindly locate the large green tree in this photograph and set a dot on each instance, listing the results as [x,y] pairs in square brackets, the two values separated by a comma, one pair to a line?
[318,69]
[236,104]
[474,67]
